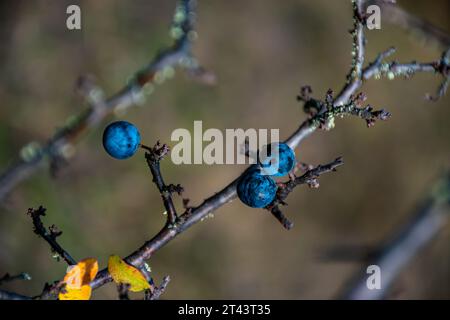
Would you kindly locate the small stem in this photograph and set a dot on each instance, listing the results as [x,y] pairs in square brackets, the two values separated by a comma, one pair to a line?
[153,157]
[278,214]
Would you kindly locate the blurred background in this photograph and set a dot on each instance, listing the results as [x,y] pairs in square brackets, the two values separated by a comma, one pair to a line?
[261,52]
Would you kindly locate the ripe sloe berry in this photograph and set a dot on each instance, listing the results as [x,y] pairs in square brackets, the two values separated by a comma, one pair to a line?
[285,160]
[256,190]
[121,139]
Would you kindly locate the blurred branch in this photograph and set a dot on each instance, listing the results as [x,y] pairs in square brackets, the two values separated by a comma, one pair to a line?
[8,278]
[49,235]
[156,293]
[122,290]
[398,16]
[58,147]
[227,194]
[404,245]
[6,295]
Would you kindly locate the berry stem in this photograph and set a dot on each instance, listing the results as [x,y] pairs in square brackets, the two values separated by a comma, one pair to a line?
[154,156]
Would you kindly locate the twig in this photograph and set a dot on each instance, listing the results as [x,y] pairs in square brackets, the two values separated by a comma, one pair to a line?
[285,188]
[56,147]
[158,291]
[8,278]
[154,292]
[51,290]
[49,235]
[6,295]
[154,156]
[309,178]
[122,289]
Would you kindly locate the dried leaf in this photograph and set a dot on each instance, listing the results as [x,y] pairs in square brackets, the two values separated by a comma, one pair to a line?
[81,274]
[83,293]
[124,273]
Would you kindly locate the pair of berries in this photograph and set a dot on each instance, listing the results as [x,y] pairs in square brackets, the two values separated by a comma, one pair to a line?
[256,188]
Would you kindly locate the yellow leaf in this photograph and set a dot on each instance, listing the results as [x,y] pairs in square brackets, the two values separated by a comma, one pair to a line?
[83,293]
[121,272]
[81,274]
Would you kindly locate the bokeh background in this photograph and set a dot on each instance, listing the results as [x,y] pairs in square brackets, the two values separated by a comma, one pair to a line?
[261,52]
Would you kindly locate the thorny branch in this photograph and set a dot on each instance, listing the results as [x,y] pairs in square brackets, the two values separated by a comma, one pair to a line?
[154,156]
[285,188]
[49,234]
[57,149]
[321,116]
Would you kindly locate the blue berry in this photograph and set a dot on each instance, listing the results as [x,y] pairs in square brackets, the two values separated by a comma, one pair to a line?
[256,190]
[121,139]
[285,160]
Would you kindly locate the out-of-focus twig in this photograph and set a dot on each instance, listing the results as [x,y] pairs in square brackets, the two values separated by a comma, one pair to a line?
[309,178]
[403,246]
[156,293]
[395,14]
[6,295]
[8,278]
